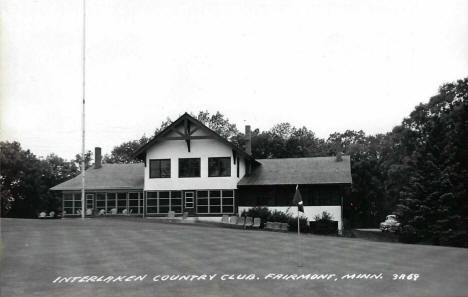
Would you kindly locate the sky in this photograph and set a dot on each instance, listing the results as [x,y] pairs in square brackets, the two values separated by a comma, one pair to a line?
[328,65]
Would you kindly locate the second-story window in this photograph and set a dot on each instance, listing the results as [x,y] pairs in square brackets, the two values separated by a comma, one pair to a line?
[160,168]
[189,167]
[219,166]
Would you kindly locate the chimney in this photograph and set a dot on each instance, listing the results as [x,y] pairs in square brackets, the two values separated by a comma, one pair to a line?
[97,157]
[248,140]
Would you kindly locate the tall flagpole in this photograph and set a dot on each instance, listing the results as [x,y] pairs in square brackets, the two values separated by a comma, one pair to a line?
[299,238]
[83,117]
[299,233]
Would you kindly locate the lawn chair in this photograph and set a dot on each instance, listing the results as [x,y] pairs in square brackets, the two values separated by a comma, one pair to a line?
[268,226]
[241,221]
[125,211]
[171,215]
[284,226]
[78,212]
[114,211]
[102,212]
[42,215]
[185,215]
[89,212]
[225,219]
[248,222]
[51,214]
[256,223]
[233,220]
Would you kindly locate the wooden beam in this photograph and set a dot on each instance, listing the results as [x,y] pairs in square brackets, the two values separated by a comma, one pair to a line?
[178,132]
[185,138]
[195,130]
[234,156]
[187,134]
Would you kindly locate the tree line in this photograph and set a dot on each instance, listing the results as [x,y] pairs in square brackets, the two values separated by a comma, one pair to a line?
[419,170]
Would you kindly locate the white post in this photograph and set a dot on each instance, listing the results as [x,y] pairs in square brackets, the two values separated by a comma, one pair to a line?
[299,239]
[83,202]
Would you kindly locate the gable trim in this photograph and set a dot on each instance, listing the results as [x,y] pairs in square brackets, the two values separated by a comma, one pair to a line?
[187,136]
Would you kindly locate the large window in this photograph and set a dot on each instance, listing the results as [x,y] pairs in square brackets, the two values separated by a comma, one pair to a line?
[161,202]
[135,203]
[111,204]
[160,168]
[72,204]
[219,166]
[215,202]
[100,202]
[114,203]
[189,167]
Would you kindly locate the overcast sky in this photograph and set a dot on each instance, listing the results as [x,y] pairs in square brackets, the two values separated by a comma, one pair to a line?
[328,65]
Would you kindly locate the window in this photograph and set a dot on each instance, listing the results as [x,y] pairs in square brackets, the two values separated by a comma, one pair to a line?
[160,168]
[215,202]
[161,202]
[100,202]
[135,203]
[111,202]
[121,202]
[219,166]
[189,167]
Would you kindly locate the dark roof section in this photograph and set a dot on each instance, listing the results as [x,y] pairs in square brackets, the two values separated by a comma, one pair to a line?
[141,150]
[320,170]
[109,176]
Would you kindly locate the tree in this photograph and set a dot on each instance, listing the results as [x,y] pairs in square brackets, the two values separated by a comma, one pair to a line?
[55,170]
[20,178]
[286,141]
[164,125]
[433,203]
[88,159]
[26,179]
[366,205]
[124,153]
[218,123]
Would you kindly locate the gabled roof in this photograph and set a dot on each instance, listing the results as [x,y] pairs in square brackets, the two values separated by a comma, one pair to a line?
[108,177]
[287,171]
[181,120]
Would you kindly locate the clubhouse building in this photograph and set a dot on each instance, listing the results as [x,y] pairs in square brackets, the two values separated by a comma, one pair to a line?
[189,168]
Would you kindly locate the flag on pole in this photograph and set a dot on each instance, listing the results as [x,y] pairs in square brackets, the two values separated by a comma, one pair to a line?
[297,200]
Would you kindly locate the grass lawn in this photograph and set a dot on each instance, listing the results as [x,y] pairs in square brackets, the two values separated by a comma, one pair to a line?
[35,252]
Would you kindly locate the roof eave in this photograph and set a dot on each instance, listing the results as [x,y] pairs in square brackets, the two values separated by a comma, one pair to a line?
[292,184]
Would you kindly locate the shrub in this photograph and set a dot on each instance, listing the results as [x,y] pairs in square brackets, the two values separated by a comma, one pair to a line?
[324,224]
[304,226]
[409,234]
[279,216]
[326,217]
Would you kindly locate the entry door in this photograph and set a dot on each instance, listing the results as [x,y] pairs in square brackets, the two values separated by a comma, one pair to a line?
[89,203]
[189,202]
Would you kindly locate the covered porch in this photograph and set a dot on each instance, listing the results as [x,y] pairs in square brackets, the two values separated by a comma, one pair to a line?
[112,202]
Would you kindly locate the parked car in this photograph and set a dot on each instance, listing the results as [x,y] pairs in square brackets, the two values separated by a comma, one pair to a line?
[391,224]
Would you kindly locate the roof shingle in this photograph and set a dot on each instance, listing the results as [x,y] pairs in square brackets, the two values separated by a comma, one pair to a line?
[318,170]
[109,176]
